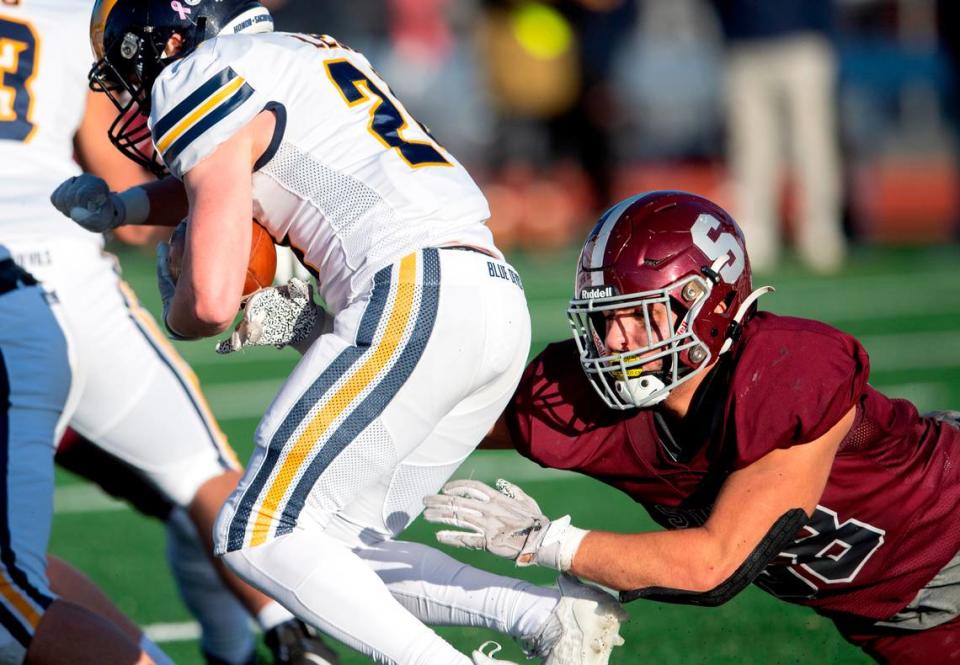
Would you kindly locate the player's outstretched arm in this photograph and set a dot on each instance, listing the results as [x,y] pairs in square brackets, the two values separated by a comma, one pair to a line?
[706,565]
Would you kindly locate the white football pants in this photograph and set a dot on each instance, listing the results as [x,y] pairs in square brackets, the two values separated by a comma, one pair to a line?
[377,415]
[135,396]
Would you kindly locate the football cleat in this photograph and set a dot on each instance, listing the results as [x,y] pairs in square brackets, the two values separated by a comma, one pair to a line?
[582,629]
[481,658]
[295,643]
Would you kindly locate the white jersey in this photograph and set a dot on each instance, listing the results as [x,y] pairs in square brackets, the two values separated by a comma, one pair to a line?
[350,181]
[43,88]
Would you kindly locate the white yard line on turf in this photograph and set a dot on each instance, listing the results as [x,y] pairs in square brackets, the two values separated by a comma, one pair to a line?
[173,632]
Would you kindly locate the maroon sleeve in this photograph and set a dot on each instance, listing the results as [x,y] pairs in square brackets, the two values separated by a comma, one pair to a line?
[792,383]
[554,409]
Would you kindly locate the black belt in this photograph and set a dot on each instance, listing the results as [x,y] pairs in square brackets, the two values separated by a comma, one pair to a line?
[12,276]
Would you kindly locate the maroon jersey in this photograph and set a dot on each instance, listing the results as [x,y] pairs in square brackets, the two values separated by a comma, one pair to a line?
[889,517]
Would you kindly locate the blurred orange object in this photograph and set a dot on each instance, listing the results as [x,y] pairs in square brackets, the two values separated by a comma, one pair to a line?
[906,201]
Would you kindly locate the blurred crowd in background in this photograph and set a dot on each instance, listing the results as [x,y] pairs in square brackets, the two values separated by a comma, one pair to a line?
[818,123]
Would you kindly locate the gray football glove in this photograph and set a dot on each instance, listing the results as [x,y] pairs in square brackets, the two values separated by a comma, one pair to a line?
[87,200]
[504,521]
[279,316]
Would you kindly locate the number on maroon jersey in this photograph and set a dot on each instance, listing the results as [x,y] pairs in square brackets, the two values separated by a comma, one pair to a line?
[830,553]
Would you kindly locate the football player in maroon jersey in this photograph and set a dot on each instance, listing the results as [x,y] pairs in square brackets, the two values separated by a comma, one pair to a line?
[753,438]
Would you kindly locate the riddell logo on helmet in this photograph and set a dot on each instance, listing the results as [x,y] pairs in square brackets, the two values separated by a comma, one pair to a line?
[597,292]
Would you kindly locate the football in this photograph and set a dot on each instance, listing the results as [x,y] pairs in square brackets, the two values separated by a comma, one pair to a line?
[261,267]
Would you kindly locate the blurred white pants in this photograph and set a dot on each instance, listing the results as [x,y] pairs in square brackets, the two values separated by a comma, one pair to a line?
[780,95]
[377,415]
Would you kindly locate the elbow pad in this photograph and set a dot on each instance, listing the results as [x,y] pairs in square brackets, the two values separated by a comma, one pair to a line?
[783,531]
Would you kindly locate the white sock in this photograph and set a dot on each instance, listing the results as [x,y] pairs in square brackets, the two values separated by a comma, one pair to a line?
[272,614]
[225,624]
[439,590]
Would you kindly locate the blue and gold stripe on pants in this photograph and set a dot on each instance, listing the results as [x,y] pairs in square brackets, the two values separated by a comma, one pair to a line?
[344,400]
[21,603]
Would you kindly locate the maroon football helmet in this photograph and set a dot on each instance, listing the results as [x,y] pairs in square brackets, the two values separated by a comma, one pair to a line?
[674,249]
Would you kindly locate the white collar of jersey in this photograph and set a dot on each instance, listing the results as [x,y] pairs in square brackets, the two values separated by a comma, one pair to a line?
[251,21]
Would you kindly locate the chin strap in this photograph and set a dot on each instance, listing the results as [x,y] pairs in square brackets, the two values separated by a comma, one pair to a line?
[734,330]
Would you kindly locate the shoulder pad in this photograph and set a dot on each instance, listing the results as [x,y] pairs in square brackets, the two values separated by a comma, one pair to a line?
[200,102]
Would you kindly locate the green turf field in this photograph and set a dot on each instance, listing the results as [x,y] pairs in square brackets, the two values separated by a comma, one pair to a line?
[904,305]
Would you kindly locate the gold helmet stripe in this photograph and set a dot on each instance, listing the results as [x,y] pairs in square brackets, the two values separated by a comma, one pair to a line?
[98,22]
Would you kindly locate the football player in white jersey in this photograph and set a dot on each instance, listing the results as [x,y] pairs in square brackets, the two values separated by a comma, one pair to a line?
[39,623]
[130,391]
[428,333]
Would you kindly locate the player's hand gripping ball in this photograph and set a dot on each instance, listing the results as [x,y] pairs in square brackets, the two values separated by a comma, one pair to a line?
[261,267]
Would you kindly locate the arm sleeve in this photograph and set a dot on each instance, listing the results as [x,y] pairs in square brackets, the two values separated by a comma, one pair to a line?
[783,532]
[796,391]
[198,103]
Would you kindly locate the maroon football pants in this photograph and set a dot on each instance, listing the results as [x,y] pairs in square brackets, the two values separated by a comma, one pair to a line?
[940,644]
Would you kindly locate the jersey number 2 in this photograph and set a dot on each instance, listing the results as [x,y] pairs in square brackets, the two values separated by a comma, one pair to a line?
[18,66]
[387,119]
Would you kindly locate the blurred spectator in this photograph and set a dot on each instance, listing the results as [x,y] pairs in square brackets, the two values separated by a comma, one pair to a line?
[549,66]
[781,79]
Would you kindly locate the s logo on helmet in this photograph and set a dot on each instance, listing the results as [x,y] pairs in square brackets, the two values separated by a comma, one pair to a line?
[724,245]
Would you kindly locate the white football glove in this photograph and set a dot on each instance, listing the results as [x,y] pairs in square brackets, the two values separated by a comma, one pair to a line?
[279,316]
[87,200]
[504,521]
[288,267]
